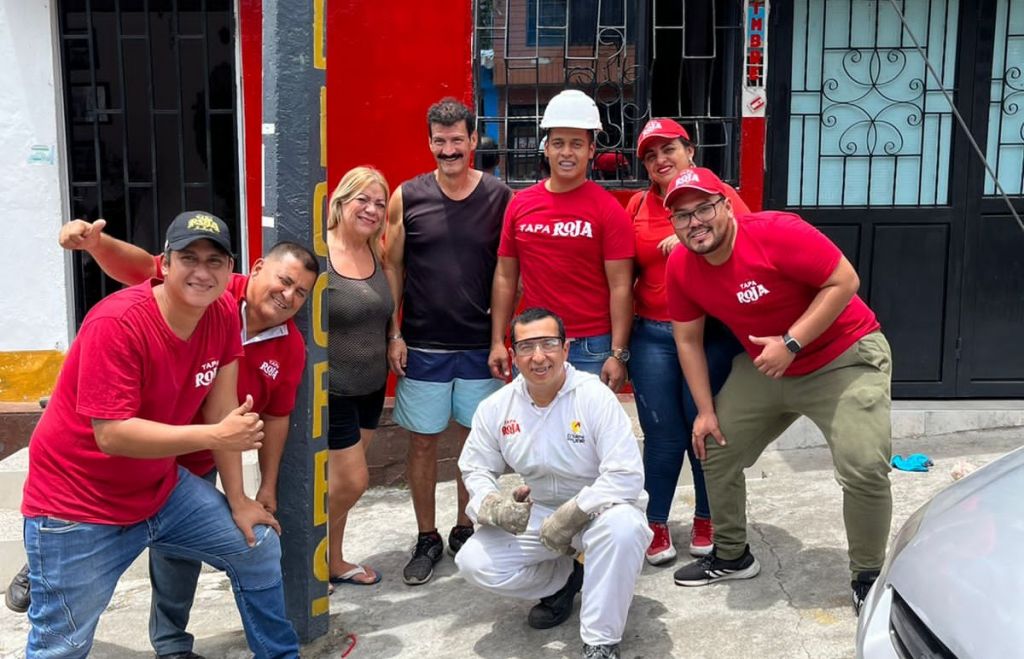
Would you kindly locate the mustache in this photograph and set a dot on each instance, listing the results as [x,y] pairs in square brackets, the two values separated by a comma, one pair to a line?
[451,158]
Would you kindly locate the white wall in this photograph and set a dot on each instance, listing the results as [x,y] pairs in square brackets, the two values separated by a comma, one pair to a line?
[33,292]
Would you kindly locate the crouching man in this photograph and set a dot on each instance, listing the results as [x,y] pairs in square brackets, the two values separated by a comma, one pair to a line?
[568,437]
[102,481]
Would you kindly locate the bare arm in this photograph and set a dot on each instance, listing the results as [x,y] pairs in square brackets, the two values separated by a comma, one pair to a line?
[222,398]
[394,270]
[275,433]
[828,303]
[835,294]
[620,305]
[123,261]
[142,438]
[689,338]
[503,297]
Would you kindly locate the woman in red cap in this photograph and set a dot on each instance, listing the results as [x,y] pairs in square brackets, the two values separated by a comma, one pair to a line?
[664,405]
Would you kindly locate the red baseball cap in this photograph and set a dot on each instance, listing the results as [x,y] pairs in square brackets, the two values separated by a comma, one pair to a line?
[695,178]
[655,128]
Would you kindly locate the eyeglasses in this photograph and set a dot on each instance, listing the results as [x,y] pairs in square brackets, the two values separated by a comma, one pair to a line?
[547,344]
[703,213]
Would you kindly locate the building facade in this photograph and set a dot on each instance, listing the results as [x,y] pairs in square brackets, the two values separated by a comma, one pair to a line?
[861,115]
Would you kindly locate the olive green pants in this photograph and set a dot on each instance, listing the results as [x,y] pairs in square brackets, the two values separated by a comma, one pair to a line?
[849,400]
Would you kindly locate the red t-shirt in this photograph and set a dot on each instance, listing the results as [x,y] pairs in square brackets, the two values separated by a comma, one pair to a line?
[651,225]
[777,266]
[562,241]
[269,371]
[125,363]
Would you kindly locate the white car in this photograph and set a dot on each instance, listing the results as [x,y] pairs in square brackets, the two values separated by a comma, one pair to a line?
[953,582]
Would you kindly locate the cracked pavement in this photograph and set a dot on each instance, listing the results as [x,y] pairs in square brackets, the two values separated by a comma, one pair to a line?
[798,606]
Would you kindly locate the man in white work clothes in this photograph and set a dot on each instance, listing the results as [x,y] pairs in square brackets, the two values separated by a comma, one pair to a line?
[566,434]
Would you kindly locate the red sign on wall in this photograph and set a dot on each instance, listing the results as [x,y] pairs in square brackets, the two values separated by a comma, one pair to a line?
[755,57]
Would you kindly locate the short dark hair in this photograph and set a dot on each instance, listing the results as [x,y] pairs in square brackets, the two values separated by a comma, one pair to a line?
[300,252]
[449,112]
[532,315]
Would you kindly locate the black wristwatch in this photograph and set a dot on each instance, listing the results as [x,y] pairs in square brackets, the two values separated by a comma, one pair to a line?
[622,354]
[791,344]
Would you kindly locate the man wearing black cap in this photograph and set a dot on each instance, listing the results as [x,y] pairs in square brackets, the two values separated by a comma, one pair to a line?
[103,483]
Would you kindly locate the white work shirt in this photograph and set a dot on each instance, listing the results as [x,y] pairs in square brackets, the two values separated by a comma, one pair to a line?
[580,445]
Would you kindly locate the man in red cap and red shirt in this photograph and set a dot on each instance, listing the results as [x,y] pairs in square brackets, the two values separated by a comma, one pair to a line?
[815,350]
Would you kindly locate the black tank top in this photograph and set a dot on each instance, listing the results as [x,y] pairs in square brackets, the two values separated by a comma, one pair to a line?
[451,250]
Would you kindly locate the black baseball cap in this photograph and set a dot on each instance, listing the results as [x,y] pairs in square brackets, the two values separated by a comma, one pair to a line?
[191,226]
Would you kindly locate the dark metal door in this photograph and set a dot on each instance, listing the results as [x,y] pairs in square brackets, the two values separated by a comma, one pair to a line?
[991,313]
[149,91]
[865,146]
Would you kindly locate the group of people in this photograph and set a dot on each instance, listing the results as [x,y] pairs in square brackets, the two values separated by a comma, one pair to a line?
[729,324]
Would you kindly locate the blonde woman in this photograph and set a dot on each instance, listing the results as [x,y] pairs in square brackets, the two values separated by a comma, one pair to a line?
[359,305]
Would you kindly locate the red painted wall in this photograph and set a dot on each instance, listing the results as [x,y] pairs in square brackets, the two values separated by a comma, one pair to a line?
[752,162]
[250,25]
[386,63]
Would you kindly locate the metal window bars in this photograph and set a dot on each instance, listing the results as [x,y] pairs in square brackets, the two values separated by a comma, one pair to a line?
[636,58]
[149,89]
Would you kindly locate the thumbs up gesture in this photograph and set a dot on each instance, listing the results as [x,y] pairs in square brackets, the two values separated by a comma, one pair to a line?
[79,234]
[240,430]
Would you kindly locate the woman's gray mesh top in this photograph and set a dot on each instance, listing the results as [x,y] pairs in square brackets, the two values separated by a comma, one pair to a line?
[357,314]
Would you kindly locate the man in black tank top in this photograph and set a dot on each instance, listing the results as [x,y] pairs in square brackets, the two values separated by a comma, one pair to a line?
[440,254]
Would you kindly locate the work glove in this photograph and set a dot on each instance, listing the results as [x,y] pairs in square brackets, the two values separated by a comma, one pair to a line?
[510,512]
[558,530]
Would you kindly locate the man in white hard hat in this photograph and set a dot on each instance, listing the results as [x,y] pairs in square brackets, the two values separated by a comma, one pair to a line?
[572,243]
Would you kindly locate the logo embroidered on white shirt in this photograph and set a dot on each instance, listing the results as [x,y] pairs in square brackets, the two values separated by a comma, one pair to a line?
[575,434]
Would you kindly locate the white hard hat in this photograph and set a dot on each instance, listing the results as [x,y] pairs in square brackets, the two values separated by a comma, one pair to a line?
[571,109]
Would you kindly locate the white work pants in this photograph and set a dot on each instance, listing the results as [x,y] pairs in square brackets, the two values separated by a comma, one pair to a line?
[520,566]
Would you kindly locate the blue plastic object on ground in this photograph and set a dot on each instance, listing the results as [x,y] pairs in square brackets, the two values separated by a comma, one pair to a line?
[913,462]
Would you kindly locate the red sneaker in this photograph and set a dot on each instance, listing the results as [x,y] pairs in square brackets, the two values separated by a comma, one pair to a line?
[661,550]
[702,537]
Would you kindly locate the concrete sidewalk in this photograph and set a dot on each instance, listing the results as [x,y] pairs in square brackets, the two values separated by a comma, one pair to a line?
[798,607]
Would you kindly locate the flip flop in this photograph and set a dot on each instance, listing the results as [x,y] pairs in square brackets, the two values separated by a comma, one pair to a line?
[350,577]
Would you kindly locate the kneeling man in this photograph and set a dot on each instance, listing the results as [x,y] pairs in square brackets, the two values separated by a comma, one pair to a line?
[568,437]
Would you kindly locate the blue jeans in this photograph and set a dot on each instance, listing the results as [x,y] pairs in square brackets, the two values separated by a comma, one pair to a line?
[174,583]
[666,409]
[74,567]
[590,352]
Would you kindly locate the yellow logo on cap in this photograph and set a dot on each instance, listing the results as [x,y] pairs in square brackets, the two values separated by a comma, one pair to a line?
[203,223]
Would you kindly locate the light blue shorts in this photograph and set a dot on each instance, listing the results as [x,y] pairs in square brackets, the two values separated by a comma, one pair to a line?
[441,385]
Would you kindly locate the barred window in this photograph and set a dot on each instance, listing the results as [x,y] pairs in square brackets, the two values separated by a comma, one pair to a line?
[637,58]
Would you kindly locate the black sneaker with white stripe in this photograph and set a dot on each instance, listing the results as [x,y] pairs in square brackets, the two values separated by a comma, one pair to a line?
[861,586]
[710,569]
